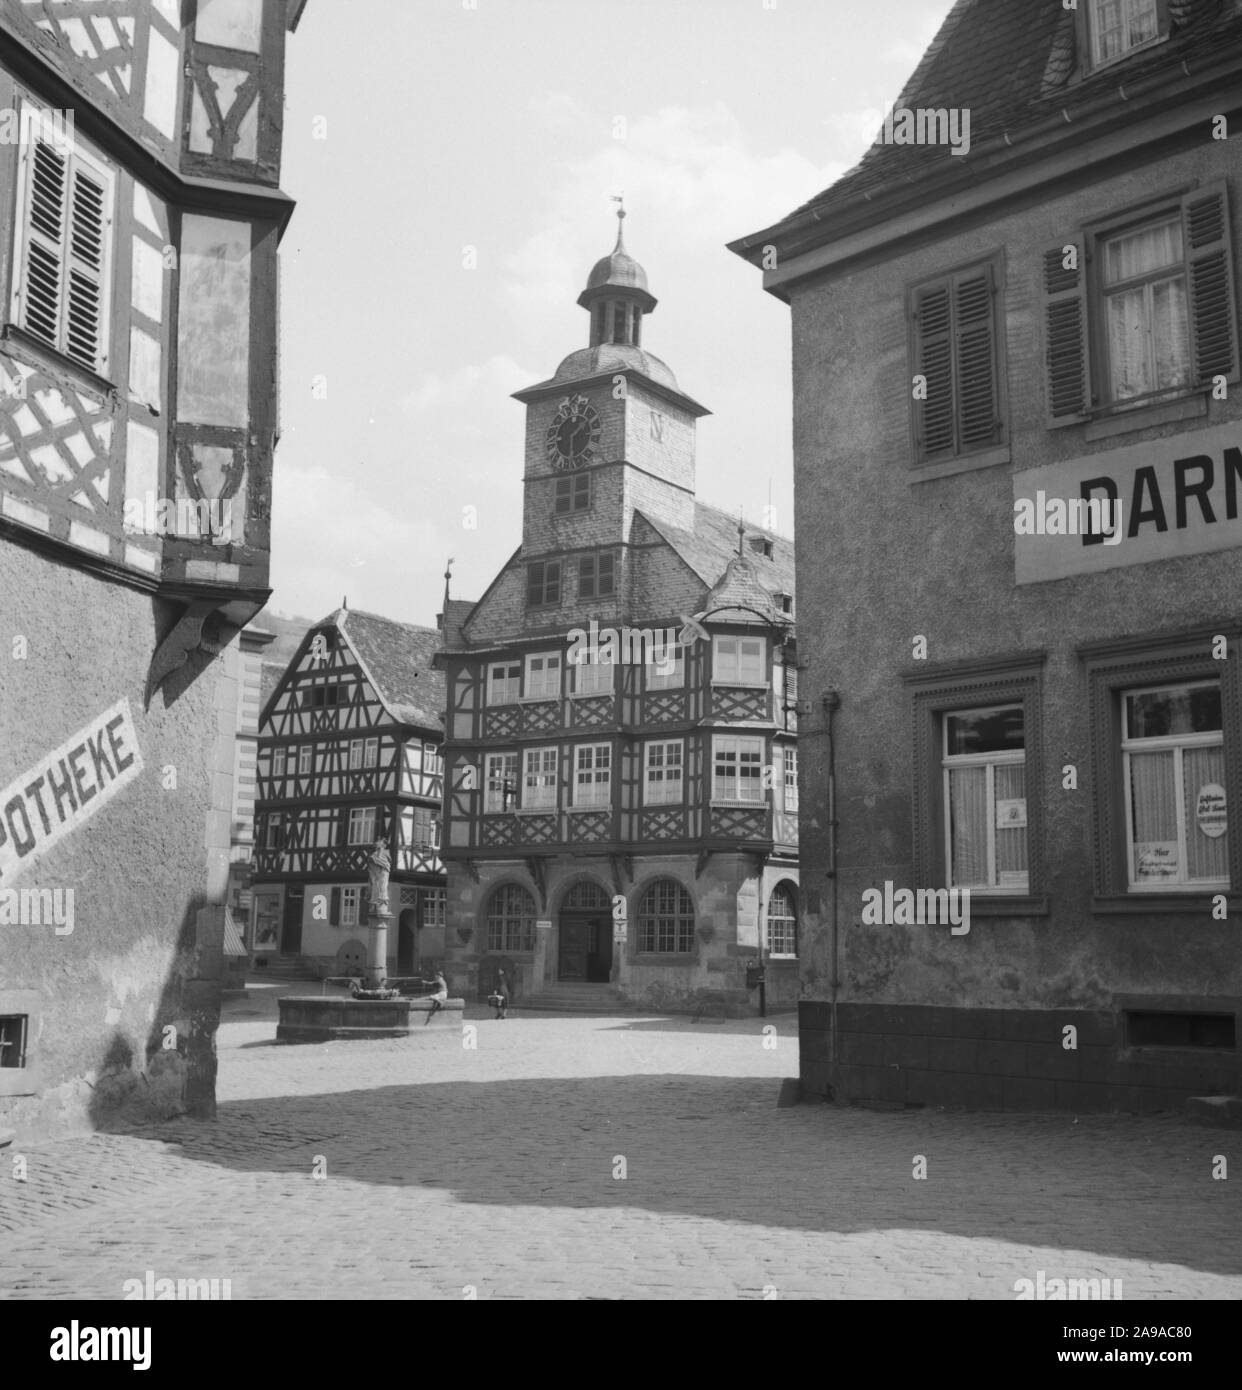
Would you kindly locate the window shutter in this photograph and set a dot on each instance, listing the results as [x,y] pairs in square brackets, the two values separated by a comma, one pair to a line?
[87,239]
[1067,356]
[1213,320]
[334,908]
[933,327]
[46,222]
[364,905]
[978,416]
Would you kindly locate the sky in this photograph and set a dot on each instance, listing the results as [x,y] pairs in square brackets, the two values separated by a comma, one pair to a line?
[454,163]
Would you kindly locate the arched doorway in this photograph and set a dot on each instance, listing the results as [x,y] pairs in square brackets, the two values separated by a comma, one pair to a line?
[584,935]
[407,941]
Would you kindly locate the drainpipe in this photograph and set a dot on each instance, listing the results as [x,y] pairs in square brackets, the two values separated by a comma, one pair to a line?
[832,703]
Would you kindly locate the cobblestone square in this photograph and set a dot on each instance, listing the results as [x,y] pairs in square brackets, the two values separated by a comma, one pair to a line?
[577,1157]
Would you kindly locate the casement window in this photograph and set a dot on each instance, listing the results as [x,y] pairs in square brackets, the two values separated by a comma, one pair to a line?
[737,770]
[279,757]
[306,760]
[370,753]
[435,906]
[543,583]
[13,1041]
[276,831]
[596,576]
[362,826]
[1173,758]
[593,677]
[500,776]
[789,760]
[739,661]
[1119,27]
[984,762]
[783,921]
[666,919]
[1141,309]
[573,494]
[511,919]
[63,253]
[593,774]
[663,772]
[355,754]
[349,907]
[323,697]
[504,682]
[543,676]
[539,769]
[956,333]
[668,674]
[426,828]
[433,763]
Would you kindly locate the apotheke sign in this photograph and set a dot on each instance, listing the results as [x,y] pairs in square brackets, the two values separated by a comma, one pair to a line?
[1179,496]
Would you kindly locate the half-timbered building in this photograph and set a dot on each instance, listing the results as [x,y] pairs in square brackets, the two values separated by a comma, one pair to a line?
[140,220]
[350,753]
[621,819]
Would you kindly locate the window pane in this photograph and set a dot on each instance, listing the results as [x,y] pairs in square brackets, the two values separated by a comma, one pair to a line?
[985,731]
[1176,710]
[1207,843]
[1011,865]
[968,818]
[1153,808]
[1143,251]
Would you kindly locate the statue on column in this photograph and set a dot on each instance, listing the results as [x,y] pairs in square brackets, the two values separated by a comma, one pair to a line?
[378,865]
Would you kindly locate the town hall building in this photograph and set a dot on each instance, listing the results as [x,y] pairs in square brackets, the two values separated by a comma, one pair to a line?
[622,806]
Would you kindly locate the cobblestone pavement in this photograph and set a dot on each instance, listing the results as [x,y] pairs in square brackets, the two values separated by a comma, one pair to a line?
[603,1158]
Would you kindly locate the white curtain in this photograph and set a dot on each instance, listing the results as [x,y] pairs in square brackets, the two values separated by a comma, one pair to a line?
[968,811]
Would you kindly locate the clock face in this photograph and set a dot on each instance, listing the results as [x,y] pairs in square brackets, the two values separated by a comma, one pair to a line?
[573,433]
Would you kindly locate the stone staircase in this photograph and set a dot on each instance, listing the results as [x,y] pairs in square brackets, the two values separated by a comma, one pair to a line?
[572,997]
[283,970]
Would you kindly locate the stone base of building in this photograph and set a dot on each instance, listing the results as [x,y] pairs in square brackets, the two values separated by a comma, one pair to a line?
[1003,1059]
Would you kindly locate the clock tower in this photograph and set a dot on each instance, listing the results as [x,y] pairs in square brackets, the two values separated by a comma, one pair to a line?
[611,432]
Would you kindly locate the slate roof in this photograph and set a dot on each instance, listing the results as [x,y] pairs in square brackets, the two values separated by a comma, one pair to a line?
[710,547]
[1011,63]
[399,659]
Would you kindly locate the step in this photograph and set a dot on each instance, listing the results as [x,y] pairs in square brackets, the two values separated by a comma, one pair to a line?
[1216,1110]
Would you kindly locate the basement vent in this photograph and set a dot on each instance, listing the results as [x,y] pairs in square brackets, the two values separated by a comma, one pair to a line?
[1217,1031]
[13,1040]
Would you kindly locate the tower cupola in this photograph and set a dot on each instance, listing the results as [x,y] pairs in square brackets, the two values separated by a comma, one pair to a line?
[616,296]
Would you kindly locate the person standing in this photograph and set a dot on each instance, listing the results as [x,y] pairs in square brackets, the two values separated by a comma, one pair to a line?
[500,995]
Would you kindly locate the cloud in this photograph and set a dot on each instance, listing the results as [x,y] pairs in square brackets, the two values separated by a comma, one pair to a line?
[490,381]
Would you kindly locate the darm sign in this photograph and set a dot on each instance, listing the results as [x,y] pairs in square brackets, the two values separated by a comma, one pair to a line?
[1180,496]
[65,788]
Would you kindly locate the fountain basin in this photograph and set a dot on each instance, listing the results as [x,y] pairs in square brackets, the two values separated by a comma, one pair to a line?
[327,1018]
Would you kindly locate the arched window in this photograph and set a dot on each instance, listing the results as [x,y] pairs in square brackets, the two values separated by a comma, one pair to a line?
[511,919]
[586,897]
[783,921]
[620,322]
[666,919]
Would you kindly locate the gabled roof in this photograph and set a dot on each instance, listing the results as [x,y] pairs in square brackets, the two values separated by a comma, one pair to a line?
[1011,64]
[398,659]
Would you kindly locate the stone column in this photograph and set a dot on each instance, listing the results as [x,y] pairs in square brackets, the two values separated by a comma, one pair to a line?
[539,967]
[377,945]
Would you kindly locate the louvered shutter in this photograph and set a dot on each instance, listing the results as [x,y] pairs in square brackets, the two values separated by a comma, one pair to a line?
[933,326]
[84,321]
[334,908]
[364,905]
[47,219]
[978,414]
[1213,318]
[1067,356]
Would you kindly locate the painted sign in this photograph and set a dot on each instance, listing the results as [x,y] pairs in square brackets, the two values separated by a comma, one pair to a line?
[1178,496]
[1011,814]
[66,788]
[1156,861]
[1210,810]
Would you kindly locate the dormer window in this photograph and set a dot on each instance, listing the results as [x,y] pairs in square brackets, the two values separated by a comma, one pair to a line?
[1119,27]
[761,546]
[784,603]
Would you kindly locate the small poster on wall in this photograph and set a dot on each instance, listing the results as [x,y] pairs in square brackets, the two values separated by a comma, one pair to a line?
[266,922]
[1011,814]
[1156,861]
[1210,810]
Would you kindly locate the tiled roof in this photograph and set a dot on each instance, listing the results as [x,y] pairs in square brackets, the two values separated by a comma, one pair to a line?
[1009,62]
[712,544]
[399,658]
[457,610]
